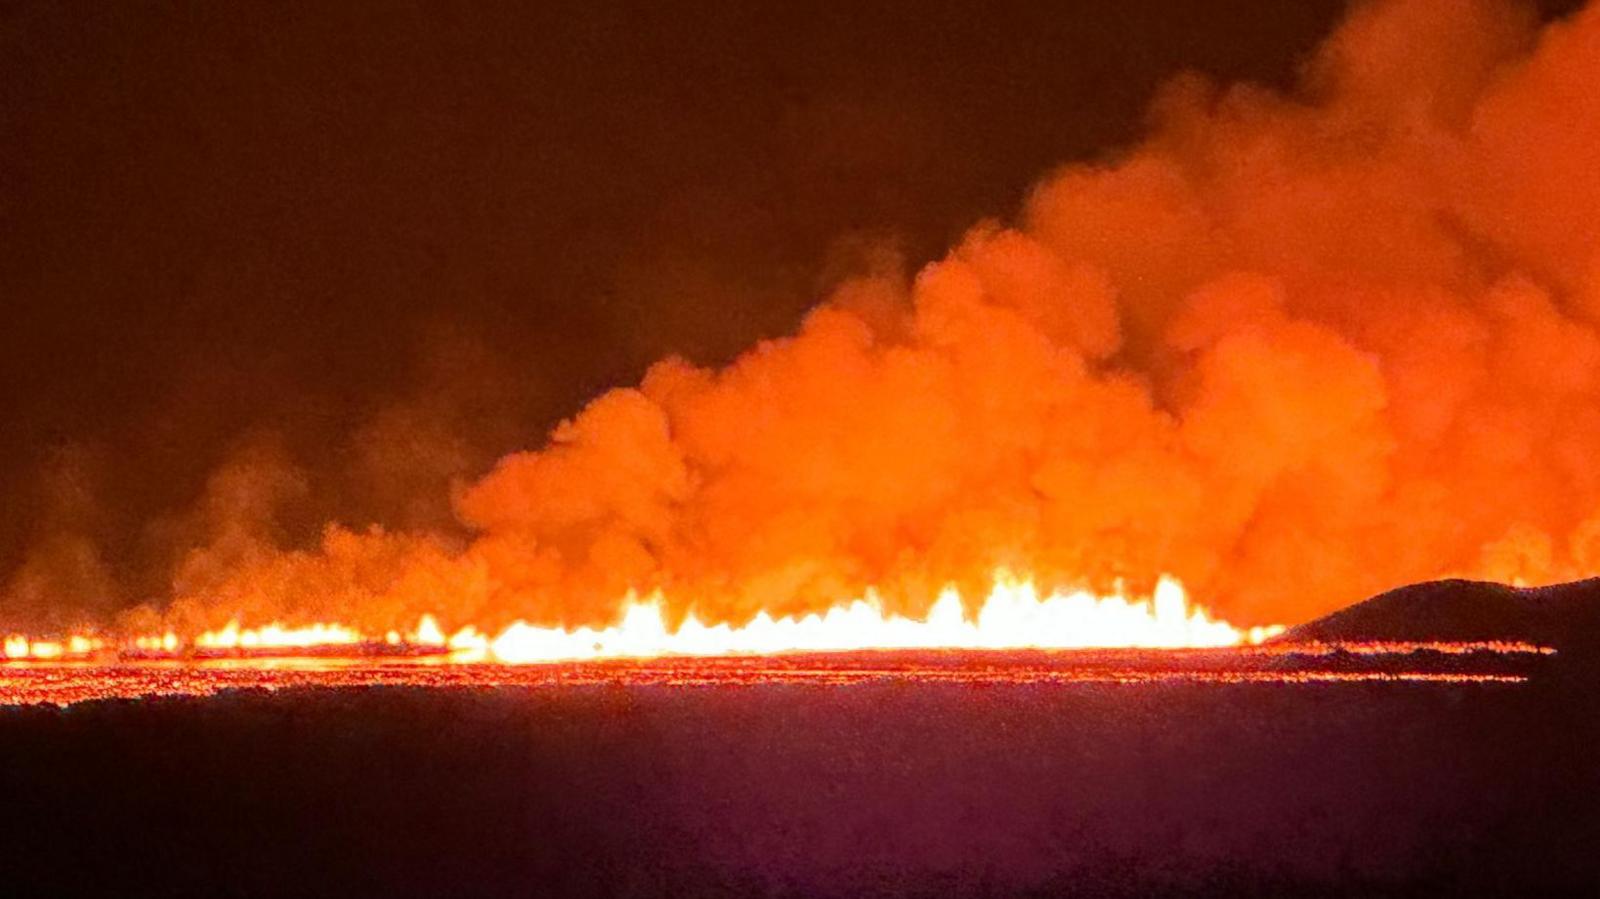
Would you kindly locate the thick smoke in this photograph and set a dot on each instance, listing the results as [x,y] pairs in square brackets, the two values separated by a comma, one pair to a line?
[1293,349]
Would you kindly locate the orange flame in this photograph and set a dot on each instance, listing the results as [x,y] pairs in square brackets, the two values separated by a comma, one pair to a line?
[1014,616]
[277,636]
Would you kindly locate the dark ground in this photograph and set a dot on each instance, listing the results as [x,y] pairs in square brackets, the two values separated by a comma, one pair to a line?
[936,790]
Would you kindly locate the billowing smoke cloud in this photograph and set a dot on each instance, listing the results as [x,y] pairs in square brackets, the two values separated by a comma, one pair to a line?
[1292,349]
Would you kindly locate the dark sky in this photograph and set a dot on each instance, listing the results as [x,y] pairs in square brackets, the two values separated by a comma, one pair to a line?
[322,226]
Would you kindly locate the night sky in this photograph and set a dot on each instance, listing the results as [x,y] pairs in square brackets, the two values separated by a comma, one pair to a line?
[390,242]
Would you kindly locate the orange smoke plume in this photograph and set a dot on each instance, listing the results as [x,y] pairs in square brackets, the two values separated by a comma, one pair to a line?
[1292,349]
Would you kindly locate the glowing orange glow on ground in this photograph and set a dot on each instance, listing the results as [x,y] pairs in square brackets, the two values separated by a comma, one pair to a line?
[66,682]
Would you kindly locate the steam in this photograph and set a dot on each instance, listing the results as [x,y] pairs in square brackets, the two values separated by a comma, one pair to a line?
[1292,349]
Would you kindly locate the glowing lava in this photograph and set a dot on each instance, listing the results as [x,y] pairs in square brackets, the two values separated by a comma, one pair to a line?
[1014,616]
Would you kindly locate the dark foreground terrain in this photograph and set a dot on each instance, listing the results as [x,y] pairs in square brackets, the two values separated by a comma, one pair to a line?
[1355,789]
[891,788]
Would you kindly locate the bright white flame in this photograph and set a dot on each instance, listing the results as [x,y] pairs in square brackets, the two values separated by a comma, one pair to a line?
[275,636]
[1013,616]
[18,646]
[428,632]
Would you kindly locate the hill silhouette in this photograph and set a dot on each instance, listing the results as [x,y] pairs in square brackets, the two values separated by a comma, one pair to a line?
[1563,616]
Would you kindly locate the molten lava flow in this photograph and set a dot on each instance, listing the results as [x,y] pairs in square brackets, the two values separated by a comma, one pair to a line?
[1014,616]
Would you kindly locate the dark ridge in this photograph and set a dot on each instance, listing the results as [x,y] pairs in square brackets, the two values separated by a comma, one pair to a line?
[1563,616]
